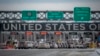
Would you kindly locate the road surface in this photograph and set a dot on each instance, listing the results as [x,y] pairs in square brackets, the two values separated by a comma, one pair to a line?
[47,52]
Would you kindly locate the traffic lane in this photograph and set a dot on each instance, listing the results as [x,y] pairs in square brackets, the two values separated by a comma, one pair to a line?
[27,52]
[16,52]
[45,52]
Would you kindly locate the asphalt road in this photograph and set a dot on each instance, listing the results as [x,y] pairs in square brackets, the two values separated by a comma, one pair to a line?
[47,52]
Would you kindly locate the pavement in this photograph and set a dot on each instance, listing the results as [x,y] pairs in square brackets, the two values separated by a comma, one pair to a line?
[49,52]
[98,52]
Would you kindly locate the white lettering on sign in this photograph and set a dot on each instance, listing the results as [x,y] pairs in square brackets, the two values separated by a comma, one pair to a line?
[75,26]
[69,26]
[6,27]
[50,27]
[13,26]
[54,25]
[82,27]
[31,27]
[62,27]
[38,26]
[24,26]
[92,26]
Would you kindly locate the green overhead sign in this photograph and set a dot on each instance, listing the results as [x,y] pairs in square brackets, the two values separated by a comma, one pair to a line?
[54,15]
[29,15]
[82,14]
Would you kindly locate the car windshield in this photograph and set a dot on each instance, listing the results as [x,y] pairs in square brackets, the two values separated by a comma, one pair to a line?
[42,40]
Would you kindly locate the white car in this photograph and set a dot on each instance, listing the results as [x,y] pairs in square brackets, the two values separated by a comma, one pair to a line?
[29,44]
[55,45]
[43,45]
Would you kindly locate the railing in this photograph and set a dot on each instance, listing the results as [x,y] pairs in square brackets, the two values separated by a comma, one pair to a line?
[7,16]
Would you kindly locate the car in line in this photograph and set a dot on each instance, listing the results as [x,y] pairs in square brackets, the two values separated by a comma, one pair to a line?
[25,44]
[2,45]
[43,44]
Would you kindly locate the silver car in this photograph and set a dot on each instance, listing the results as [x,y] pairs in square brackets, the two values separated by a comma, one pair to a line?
[29,44]
[43,44]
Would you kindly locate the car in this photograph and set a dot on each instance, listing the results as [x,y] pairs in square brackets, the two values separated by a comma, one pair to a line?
[9,44]
[2,45]
[55,45]
[35,45]
[29,44]
[16,44]
[25,44]
[21,45]
[43,45]
[51,45]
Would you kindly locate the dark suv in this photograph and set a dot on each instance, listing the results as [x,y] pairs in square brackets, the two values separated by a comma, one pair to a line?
[21,45]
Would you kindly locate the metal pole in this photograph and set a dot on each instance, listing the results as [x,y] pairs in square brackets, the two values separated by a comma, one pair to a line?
[34,36]
[45,37]
[0,36]
[93,36]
